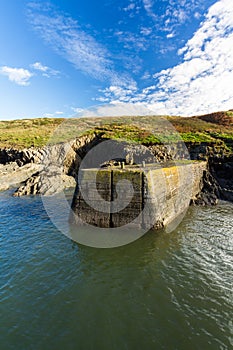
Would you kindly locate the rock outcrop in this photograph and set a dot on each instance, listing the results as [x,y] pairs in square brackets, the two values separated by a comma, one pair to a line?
[46,183]
[222,170]
[38,171]
[46,170]
[217,180]
[12,175]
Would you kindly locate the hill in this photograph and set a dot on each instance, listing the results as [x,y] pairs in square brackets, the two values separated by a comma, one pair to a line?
[210,128]
[23,133]
[219,118]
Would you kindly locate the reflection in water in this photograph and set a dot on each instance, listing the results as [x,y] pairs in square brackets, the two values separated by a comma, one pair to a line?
[164,291]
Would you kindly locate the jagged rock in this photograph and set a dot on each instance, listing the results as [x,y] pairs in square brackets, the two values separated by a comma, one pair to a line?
[209,191]
[71,162]
[45,183]
[11,174]
[41,171]
[30,186]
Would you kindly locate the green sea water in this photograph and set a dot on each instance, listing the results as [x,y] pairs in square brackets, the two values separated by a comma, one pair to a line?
[169,291]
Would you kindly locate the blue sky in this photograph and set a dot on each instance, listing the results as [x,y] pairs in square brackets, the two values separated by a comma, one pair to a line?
[59,58]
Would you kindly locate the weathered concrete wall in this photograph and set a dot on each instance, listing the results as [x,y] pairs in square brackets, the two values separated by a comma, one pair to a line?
[95,184]
[156,197]
[170,191]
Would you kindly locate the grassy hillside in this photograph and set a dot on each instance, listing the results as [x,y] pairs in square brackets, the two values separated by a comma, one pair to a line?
[216,127]
[206,128]
[27,132]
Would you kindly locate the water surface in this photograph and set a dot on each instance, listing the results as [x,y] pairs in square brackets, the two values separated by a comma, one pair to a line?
[164,291]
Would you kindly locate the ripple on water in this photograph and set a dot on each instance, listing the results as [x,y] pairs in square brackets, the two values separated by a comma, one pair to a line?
[164,291]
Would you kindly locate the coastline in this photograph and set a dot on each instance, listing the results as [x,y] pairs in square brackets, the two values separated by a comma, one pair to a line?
[25,167]
[48,169]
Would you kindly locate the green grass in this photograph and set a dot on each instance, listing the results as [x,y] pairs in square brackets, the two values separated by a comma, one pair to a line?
[229,113]
[147,130]
[27,132]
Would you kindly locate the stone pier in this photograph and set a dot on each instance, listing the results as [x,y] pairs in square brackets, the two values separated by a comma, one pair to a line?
[150,196]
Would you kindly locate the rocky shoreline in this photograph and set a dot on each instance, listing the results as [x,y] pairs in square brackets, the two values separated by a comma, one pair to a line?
[50,169]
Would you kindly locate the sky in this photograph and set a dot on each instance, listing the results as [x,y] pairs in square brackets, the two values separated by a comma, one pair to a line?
[112,57]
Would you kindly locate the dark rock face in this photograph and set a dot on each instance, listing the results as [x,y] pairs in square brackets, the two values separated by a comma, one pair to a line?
[44,171]
[222,170]
[164,153]
[21,157]
[11,174]
[30,186]
[209,193]
[217,182]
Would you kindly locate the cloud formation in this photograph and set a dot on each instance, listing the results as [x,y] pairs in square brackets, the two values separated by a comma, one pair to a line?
[46,71]
[158,25]
[53,115]
[39,66]
[114,109]
[68,39]
[20,76]
[173,14]
[202,82]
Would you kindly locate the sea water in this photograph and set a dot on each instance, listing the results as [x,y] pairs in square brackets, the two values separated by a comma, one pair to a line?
[164,291]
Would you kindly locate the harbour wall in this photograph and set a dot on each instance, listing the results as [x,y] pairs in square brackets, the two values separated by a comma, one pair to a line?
[148,197]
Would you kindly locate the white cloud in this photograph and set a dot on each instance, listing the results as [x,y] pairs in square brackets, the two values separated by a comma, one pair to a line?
[148,5]
[202,82]
[175,13]
[170,35]
[148,89]
[130,7]
[197,15]
[132,40]
[39,66]
[53,115]
[20,76]
[146,31]
[69,40]
[146,76]
[119,93]
[168,20]
[115,109]
[78,47]
[77,110]
[46,71]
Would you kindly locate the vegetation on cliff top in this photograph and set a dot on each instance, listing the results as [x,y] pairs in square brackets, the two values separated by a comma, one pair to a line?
[27,132]
[211,128]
